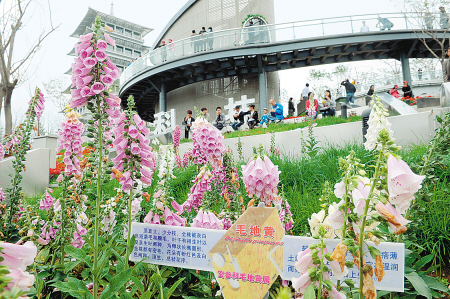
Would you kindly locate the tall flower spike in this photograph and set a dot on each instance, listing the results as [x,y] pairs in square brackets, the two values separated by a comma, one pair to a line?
[377,123]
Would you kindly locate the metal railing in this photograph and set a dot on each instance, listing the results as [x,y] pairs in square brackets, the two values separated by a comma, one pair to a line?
[256,35]
[390,81]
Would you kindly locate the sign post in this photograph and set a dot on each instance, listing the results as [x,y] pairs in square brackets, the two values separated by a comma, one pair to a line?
[247,258]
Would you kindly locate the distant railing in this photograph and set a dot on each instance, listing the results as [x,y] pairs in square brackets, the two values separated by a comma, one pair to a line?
[389,82]
[198,44]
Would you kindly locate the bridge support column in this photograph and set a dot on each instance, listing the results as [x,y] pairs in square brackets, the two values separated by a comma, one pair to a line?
[406,71]
[262,79]
[162,98]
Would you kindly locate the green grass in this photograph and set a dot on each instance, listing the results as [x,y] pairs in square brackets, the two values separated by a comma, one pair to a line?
[274,128]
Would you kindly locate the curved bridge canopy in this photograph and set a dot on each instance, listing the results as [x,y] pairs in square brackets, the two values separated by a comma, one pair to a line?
[272,48]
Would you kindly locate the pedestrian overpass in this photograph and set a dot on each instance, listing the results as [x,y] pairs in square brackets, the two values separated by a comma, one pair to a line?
[262,49]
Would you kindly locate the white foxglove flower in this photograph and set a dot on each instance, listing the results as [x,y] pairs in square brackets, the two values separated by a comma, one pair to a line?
[377,122]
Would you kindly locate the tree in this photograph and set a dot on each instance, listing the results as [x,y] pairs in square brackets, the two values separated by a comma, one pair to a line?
[54,91]
[429,24]
[12,70]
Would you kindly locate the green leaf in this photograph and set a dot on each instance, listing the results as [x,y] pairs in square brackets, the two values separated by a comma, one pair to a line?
[156,278]
[419,284]
[309,292]
[423,261]
[172,289]
[126,296]
[382,293]
[434,284]
[77,253]
[138,283]
[374,252]
[115,284]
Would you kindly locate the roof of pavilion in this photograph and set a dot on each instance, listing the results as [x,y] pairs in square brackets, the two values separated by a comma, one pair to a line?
[90,16]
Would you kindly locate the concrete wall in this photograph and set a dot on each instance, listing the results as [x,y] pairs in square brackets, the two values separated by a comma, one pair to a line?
[50,142]
[408,129]
[36,176]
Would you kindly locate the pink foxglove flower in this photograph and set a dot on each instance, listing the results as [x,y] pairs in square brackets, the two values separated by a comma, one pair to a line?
[173,219]
[47,202]
[176,136]
[102,45]
[18,258]
[304,262]
[195,197]
[261,179]
[152,218]
[38,102]
[395,219]
[132,142]
[70,139]
[206,220]
[208,141]
[402,183]
[110,40]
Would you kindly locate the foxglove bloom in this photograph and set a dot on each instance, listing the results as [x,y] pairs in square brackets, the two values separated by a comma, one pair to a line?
[318,219]
[261,179]
[71,140]
[132,144]
[202,183]
[152,218]
[304,262]
[395,219]
[92,61]
[47,202]
[377,123]
[206,220]
[78,241]
[402,183]
[176,136]
[18,258]
[173,219]
[208,140]
[37,104]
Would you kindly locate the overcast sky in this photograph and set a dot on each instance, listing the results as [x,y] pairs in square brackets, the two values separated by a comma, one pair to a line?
[52,61]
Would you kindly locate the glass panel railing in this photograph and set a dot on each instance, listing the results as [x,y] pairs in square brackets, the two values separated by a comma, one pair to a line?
[255,35]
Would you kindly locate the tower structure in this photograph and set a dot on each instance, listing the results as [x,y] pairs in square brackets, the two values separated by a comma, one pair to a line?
[129,46]
[128,35]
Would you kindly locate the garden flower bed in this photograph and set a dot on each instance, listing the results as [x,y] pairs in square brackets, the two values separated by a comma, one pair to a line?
[78,240]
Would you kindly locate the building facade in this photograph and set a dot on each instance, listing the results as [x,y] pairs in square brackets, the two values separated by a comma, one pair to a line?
[129,38]
[220,15]
[129,46]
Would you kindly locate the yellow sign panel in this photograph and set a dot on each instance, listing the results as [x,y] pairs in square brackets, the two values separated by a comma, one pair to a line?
[246,260]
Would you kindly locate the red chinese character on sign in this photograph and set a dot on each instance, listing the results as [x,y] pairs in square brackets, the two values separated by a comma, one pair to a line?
[266,280]
[258,278]
[255,231]
[236,275]
[240,228]
[228,275]
[268,231]
[220,273]
[243,277]
[251,278]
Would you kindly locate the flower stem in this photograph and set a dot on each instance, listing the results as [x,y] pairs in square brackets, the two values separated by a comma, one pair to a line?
[130,199]
[363,224]
[99,194]
[319,291]
[63,219]
[344,229]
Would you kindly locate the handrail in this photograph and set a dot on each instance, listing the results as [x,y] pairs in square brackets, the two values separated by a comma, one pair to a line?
[265,34]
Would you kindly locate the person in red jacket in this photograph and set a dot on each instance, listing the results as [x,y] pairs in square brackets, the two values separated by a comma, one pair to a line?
[313,111]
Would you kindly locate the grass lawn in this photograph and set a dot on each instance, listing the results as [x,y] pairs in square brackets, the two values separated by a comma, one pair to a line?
[328,121]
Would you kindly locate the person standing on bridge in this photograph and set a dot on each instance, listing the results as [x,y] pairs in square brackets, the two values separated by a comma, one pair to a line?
[194,41]
[210,38]
[444,18]
[163,51]
[350,89]
[202,38]
[364,27]
[305,92]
